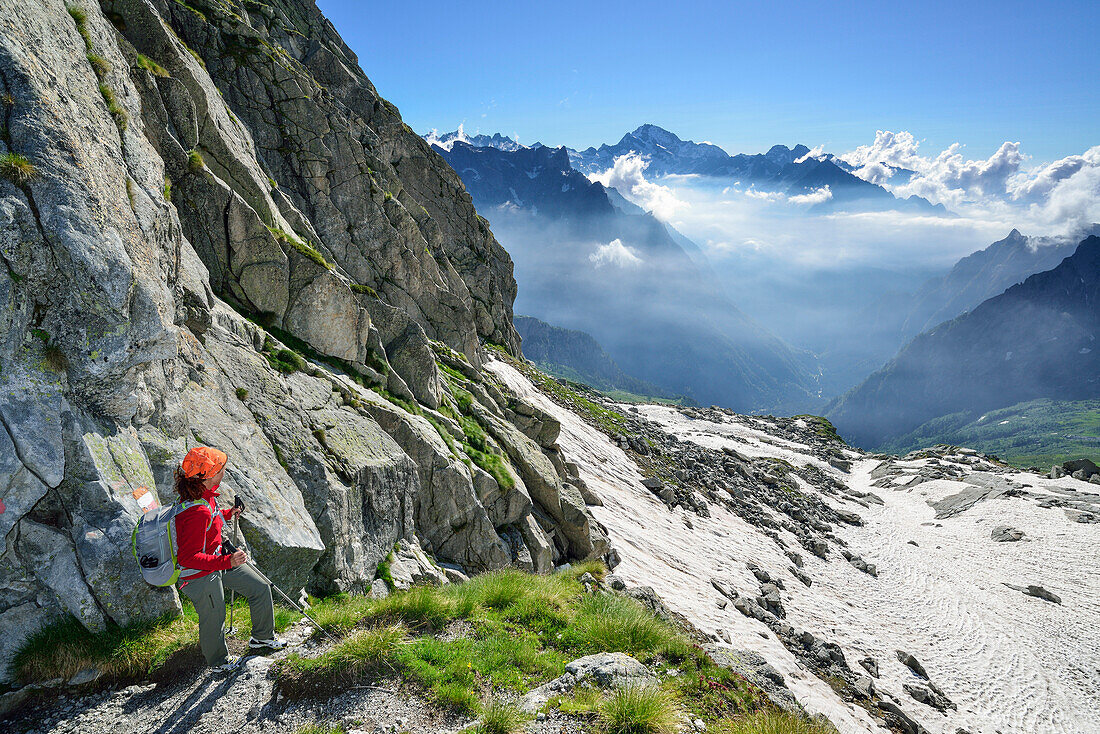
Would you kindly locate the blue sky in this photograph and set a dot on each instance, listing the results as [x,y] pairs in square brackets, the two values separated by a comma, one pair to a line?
[744,76]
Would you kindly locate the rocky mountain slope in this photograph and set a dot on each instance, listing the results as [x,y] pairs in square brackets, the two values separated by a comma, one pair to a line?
[1035,340]
[883,591]
[589,262]
[577,356]
[214,230]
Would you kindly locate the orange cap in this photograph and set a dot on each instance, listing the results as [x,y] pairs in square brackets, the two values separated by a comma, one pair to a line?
[203,461]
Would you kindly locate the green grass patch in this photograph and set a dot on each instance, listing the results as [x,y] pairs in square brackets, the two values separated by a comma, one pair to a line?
[121,116]
[364,652]
[151,66]
[242,393]
[492,463]
[501,717]
[364,290]
[1036,433]
[286,361]
[644,709]
[452,372]
[303,247]
[319,729]
[100,65]
[773,722]
[620,624]
[195,163]
[16,168]
[122,654]
[822,426]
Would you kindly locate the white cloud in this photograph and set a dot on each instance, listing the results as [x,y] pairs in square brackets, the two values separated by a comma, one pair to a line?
[627,176]
[1051,198]
[817,196]
[616,254]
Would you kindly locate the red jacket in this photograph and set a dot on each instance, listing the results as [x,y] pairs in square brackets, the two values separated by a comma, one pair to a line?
[199,540]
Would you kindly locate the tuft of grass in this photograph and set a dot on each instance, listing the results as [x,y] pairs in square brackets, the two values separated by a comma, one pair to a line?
[16,168]
[286,361]
[502,717]
[54,358]
[421,608]
[280,457]
[382,571]
[78,14]
[151,66]
[341,613]
[606,622]
[644,709]
[362,653]
[316,728]
[167,188]
[242,393]
[364,290]
[301,246]
[822,426]
[122,654]
[582,701]
[195,163]
[121,116]
[64,649]
[492,463]
[100,65]
[773,722]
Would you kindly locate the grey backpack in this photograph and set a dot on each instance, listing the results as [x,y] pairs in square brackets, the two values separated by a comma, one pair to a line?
[155,545]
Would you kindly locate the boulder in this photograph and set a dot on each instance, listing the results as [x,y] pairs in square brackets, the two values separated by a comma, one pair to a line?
[929,697]
[1006,534]
[870,665]
[1087,468]
[758,671]
[606,670]
[909,661]
[410,566]
[902,720]
[1038,592]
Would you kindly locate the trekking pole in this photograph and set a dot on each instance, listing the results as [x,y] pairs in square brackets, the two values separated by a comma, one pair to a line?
[291,602]
[237,502]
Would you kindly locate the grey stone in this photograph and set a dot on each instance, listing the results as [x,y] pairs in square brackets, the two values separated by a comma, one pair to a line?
[1006,534]
[411,566]
[909,661]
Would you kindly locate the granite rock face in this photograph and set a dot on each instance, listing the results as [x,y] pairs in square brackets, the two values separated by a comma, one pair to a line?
[227,237]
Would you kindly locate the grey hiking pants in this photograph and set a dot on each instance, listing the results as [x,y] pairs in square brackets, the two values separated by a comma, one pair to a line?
[208,596]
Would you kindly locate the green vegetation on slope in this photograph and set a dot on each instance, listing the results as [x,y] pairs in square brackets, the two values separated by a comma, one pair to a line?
[470,647]
[1036,433]
[122,654]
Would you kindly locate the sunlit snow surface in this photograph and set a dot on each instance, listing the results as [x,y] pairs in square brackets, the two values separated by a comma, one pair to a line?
[1012,663]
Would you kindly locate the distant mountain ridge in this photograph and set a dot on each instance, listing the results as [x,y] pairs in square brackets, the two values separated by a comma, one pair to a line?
[985,274]
[591,261]
[496,140]
[577,356]
[1036,340]
[781,168]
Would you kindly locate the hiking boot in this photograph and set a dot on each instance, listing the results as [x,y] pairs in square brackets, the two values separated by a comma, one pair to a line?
[273,644]
[231,663]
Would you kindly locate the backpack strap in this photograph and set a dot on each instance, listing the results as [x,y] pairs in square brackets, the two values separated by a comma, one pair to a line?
[187,573]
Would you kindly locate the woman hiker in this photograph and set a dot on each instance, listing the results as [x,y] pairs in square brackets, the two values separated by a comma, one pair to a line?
[205,571]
